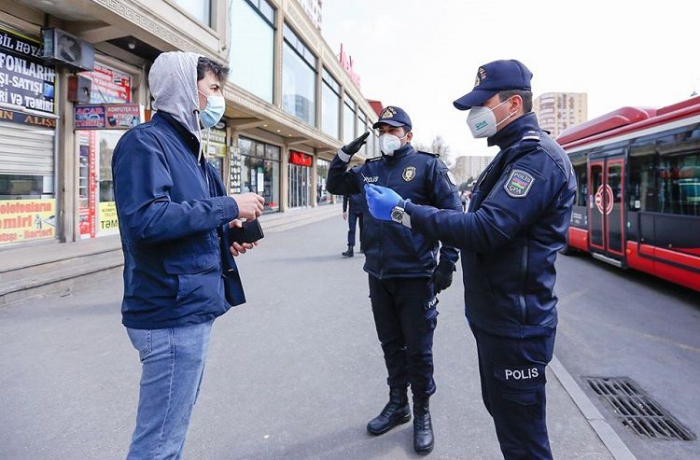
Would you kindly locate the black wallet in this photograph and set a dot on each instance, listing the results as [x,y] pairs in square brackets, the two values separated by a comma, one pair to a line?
[249,233]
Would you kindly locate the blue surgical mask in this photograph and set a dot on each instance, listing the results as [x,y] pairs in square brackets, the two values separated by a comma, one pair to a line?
[212,113]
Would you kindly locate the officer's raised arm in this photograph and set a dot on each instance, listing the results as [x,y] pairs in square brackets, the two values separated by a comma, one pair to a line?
[340,180]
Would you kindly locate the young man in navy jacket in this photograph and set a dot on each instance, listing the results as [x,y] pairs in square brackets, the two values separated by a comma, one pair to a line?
[173,209]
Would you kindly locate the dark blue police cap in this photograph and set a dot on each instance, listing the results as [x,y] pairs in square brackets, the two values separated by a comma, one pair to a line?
[494,77]
[393,116]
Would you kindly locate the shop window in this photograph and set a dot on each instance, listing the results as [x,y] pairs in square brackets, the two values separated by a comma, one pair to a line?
[260,171]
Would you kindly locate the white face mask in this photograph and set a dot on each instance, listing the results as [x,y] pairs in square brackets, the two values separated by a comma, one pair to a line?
[388,143]
[482,120]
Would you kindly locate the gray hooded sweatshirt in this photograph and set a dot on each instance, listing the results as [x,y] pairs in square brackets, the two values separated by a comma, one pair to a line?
[173,82]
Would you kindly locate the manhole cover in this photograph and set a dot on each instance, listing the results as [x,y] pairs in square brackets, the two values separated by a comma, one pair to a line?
[636,410]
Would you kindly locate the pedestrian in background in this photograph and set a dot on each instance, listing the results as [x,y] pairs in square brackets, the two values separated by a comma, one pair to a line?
[353,212]
[517,221]
[405,275]
[172,211]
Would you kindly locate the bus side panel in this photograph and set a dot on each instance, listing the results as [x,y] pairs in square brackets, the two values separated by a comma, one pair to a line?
[675,274]
[578,238]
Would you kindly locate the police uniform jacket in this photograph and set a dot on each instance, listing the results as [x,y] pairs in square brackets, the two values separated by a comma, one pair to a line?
[392,250]
[517,221]
[171,210]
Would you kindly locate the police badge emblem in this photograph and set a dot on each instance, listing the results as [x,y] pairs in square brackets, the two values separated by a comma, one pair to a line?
[409,173]
[519,183]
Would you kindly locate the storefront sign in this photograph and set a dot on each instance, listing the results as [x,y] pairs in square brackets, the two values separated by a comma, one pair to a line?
[108,116]
[109,86]
[24,119]
[25,80]
[346,62]
[25,220]
[301,159]
[90,117]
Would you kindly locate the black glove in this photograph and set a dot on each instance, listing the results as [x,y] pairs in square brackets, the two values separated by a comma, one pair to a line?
[355,146]
[442,276]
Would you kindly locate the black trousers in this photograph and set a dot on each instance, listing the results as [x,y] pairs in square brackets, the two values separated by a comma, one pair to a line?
[353,217]
[513,388]
[405,316]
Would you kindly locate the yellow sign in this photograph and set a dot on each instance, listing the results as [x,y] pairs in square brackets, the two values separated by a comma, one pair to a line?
[26,220]
[108,218]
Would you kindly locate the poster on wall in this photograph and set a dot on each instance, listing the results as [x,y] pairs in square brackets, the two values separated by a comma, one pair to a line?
[107,116]
[27,220]
[109,85]
[25,80]
[88,183]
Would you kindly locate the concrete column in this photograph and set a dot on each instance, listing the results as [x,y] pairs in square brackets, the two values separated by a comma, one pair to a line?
[67,186]
[284,178]
[314,181]
[279,40]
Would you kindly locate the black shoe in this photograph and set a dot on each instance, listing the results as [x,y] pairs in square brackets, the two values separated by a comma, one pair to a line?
[348,253]
[423,438]
[394,413]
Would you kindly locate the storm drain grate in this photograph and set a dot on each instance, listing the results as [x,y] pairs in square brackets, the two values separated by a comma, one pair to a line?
[636,410]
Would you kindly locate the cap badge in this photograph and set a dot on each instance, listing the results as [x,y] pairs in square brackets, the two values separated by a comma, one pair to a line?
[389,112]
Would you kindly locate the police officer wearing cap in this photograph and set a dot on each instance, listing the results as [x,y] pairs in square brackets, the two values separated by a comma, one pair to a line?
[405,274]
[517,221]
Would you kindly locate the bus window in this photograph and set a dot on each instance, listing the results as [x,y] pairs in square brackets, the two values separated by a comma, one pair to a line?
[642,189]
[582,185]
[679,191]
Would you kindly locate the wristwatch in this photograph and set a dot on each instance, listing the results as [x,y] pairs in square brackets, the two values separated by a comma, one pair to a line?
[398,214]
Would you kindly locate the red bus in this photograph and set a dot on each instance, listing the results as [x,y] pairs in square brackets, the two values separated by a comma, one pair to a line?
[638,200]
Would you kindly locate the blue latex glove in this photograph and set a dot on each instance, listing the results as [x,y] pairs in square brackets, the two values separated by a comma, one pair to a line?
[381,200]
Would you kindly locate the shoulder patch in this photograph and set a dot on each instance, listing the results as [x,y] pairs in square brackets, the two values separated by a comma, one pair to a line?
[519,183]
[370,160]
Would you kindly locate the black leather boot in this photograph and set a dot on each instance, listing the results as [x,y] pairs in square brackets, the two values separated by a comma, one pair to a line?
[394,413]
[349,252]
[423,438]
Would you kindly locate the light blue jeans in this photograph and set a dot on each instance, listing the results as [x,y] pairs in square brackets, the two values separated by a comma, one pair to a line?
[172,368]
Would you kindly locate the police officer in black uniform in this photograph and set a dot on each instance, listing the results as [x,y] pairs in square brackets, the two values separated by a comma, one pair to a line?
[517,221]
[353,212]
[404,272]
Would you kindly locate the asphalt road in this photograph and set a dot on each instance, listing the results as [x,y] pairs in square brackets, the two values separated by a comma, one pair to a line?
[616,323]
[297,372]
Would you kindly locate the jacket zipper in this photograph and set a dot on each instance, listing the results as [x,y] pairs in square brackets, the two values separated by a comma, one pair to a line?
[381,235]
[523,278]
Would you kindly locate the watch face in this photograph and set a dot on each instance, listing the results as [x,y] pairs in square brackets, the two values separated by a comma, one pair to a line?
[397,214]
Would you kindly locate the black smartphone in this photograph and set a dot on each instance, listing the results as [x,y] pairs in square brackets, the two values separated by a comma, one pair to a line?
[249,233]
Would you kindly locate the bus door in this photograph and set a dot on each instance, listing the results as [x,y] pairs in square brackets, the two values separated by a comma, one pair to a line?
[606,216]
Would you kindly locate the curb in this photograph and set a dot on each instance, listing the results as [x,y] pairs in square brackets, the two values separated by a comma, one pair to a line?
[602,428]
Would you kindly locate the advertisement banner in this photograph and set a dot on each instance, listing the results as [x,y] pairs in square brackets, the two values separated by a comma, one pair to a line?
[25,80]
[107,116]
[109,224]
[26,220]
[109,86]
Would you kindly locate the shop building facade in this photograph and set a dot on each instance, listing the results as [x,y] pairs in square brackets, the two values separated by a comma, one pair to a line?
[290,105]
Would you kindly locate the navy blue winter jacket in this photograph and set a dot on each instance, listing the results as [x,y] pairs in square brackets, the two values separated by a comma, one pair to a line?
[517,221]
[171,213]
[392,250]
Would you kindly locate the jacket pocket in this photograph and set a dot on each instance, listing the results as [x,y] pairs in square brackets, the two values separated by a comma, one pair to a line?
[181,264]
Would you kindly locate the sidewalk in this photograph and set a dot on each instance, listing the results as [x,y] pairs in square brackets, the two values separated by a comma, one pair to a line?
[295,373]
[52,267]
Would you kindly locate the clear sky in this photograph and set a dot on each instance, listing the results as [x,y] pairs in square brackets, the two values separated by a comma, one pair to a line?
[423,54]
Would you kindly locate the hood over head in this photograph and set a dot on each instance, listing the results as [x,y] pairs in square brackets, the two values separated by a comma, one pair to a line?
[173,82]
